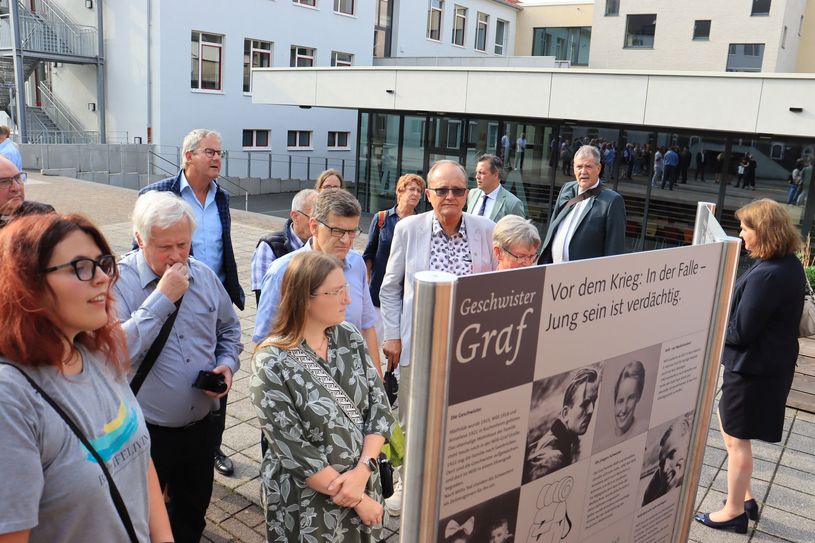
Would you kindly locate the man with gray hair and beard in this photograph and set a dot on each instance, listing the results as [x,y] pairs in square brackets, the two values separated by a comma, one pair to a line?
[182,339]
[588,220]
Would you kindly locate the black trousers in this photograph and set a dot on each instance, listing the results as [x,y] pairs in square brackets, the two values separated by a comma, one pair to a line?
[184,463]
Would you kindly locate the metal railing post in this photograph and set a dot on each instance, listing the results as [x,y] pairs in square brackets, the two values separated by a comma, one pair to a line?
[270,165]
[249,165]
[289,166]
[308,167]
[343,168]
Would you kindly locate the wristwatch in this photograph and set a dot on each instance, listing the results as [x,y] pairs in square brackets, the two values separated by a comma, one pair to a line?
[368,462]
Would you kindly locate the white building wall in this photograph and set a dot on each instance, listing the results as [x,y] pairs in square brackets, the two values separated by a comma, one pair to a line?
[410,29]
[674,47]
[791,18]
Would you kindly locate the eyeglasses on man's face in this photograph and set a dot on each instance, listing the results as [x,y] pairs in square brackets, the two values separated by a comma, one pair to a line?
[85,268]
[336,292]
[306,215]
[442,192]
[5,182]
[212,152]
[340,232]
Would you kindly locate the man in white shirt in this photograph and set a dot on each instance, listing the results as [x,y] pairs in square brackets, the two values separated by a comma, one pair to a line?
[588,220]
[490,199]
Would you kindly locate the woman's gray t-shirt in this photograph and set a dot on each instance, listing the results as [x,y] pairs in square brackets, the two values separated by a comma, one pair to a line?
[52,485]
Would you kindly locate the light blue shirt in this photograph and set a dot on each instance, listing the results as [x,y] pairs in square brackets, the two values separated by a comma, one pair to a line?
[205,334]
[360,312]
[207,240]
[10,151]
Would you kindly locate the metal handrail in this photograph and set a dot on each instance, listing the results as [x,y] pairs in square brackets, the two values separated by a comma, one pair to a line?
[47,29]
[57,111]
[220,178]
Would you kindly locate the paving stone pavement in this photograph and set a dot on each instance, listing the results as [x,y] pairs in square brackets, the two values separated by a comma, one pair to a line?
[783,472]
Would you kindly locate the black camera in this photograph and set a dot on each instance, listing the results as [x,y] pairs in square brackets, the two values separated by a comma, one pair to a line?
[211,381]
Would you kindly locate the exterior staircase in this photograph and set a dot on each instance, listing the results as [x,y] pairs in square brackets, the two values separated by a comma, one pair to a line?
[47,34]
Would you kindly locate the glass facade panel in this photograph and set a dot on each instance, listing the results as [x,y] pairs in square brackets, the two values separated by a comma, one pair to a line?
[378,172]
[745,57]
[563,43]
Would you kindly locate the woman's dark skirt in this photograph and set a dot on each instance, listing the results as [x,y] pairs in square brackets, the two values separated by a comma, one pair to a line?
[752,406]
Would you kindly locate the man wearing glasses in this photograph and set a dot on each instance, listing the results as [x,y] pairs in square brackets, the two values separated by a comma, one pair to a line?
[334,225]
[12,194]
[276,244]
[212,239]
[445,239]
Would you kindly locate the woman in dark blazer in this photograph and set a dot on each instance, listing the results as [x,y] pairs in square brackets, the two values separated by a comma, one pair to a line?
[760,352]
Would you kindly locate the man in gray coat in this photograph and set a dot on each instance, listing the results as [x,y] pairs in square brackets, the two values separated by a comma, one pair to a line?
[490,199]
[588,219]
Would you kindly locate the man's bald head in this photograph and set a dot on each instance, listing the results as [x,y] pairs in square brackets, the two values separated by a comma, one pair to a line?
[12,193]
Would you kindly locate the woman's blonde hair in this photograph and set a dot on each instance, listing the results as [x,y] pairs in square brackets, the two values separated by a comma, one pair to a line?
[776,236]
[304,275]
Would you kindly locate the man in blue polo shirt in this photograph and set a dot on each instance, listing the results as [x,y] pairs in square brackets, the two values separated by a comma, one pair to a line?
[671,168]
[334,225]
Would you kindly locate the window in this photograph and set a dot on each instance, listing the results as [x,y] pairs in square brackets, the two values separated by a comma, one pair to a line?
[481,32]
[299,139]
[701,29]
[612,7]
[256,139]
[570,44]
[207,51]
[302,57]
[761,7]
[640,30]
[312,3]
[256,54]
[382,29]
[344,6]
[434,14]
[784,38]
[459,25]
[341,59]
[745,57]
[338,140]
[501,31]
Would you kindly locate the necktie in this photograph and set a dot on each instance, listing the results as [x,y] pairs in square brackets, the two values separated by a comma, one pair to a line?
[483,205]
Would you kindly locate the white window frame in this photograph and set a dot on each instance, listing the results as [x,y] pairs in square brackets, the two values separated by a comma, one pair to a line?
[335,60]
[333,140]
[482,29]
[435,6]
[305,3]
[298,143]
[255,132]
[500,47]
[219,46]
[340,4]
[296,49]
[251,64]
[459,14]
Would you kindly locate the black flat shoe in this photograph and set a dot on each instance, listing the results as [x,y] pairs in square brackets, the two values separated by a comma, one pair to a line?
[737,524]
[750,507]
[223,464]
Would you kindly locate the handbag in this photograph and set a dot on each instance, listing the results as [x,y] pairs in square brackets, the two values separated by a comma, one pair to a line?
[348,407]
[391,386]
[118,502]
[807,326]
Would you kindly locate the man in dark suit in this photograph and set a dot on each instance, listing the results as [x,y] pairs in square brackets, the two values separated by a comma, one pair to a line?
[588,219]
[212,239]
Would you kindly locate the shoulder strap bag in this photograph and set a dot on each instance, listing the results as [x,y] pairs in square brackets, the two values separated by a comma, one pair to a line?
[319,373]
[121,508]
[155,350]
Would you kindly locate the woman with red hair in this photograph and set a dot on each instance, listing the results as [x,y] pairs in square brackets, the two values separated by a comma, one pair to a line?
[63,349]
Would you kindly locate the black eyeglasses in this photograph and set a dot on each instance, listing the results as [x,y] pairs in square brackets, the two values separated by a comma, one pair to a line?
[520,258]
[340,232]
[442,192]
[85,268]
[5,182]
[212,152]
[303,214]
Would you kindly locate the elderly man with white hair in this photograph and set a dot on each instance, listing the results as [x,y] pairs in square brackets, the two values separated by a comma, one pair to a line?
[588,220]
[185,352]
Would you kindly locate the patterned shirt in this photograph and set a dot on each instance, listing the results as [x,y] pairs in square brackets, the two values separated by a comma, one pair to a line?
[450,254]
